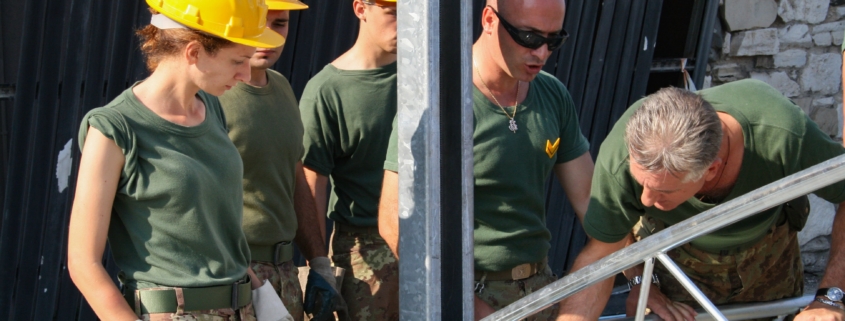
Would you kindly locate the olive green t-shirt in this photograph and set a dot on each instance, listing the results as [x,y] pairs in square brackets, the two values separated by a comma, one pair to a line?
[347,117]
[391,161]
[265,126]
[511,169]
[176,217]
[779,140]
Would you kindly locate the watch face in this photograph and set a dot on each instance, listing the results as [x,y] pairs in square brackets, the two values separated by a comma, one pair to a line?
[835,294]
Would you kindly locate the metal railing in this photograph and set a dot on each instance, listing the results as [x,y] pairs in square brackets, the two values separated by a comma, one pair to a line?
[741,311]
[763,198]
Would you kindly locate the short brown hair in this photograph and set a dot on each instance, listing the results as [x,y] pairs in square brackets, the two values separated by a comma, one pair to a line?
[157,44]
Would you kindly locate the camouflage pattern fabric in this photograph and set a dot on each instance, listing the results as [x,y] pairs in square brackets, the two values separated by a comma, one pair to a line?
[371,283]
[769,270]
[285,280]
[244,314]
[499,294]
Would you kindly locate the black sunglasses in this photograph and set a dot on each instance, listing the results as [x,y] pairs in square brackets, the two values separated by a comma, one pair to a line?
[530,39]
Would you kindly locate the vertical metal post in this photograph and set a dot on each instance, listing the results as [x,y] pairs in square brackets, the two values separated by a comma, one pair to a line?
[645,286]
[693,290]
[435,160]
[711,15]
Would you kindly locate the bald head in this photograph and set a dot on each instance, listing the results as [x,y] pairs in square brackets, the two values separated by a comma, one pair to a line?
[519,5]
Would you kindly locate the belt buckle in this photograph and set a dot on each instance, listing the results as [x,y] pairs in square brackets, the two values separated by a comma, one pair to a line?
[277,249]
[521,271]
[235,290]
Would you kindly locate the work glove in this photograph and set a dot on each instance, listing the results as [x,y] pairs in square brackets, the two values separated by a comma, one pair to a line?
[321,299]
[323,267]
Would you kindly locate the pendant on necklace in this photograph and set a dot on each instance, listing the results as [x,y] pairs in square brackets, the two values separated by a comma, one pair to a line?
[512,126]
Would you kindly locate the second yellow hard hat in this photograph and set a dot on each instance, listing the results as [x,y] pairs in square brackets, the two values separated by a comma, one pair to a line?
[239,21]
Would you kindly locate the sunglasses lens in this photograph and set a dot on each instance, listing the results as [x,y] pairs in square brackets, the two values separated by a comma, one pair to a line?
[556,42]
[530,40]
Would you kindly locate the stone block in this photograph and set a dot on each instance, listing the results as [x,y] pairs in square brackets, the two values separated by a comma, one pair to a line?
[815,262]
[780,80]
[726,45]
[798,34]
[826,118]
[819,243]
[755,42]
[820,222]
[837,41]
[806,105]
[823,39]
[790,58]
[749,14]
[728,72]
[812,11]
[833,27]
[820,74]
[826,102]
[838,13]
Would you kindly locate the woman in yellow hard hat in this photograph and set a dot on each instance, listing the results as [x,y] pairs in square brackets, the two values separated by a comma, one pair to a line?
[159,177]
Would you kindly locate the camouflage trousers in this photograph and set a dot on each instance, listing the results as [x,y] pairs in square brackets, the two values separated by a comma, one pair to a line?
[244,314]
[371,283]
[499,294]
[285,280]
[769,270]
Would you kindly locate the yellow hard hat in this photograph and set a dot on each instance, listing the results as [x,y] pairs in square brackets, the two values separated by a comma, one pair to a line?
[286,5]
[239,21]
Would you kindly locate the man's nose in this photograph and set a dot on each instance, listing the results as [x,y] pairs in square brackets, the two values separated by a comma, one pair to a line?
[649,197]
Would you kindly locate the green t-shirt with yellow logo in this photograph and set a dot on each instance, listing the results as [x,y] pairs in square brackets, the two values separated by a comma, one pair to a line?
[511,169]
[347,116]
[779,138]
[265,126]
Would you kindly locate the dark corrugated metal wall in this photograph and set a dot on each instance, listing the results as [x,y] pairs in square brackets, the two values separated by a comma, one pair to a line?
[71,56]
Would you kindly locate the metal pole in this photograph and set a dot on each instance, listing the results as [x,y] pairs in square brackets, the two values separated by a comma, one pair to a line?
[435,169]
[418,93]
[645,286]
[768,196]
[693,290]
[742,311]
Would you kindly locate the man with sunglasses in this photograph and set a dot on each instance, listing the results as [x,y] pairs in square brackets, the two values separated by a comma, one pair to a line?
[526,128]
[347,110]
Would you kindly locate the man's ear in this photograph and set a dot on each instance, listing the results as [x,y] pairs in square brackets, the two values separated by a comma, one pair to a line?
[359,7]
[714,168]
[487,23]
[192,52]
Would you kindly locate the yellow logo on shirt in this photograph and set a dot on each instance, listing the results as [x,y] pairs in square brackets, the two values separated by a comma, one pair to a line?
[551,149]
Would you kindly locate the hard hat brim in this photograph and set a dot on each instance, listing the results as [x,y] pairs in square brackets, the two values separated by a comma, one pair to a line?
[286,5]
[267,39]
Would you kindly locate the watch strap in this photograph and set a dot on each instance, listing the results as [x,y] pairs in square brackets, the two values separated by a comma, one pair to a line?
[637,280]
[830,303]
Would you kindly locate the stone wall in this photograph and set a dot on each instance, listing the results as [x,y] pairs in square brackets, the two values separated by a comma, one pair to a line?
[794,45]
[791,44]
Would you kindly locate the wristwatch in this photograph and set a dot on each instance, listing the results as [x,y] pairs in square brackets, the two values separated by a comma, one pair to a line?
[832,293]
[637,280]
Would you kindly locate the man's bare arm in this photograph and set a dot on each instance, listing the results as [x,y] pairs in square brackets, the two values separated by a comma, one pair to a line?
[589,303]
[575,177]
[317,184]
[388,211]
[834,274]
[309,236]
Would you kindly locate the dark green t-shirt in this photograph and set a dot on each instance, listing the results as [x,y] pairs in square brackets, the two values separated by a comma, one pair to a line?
[511,169]
[176,217]
[347,117]
[265,126]
[779,140]
[391,161]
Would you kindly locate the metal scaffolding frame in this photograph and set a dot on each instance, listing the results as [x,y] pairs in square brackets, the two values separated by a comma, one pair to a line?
[768,196]
[435,159]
